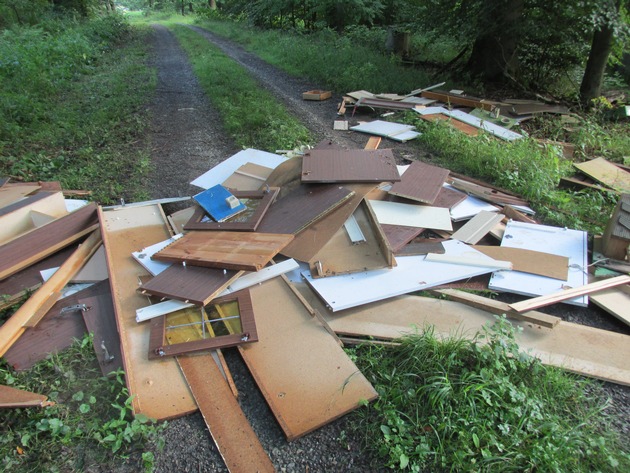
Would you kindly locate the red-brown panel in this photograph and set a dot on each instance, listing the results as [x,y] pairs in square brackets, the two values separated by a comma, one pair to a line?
[357,165]
[421,182]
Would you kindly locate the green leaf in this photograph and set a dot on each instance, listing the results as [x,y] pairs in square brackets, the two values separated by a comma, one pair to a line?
[386,430]
[475,439]
[404,461]
[25,438]
[78,396]
[84,408]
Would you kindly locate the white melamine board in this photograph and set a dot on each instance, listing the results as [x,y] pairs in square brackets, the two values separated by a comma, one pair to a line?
[411,215]
[395,131]
[225,169]
[477,227]
[413,273]
[75,204]
[94,270]
[469,207]
[354,230]
[554,240]
[144,256]
[402,168]
[491,128]
[419,100]
[406,136]
[430,110]
[245,281]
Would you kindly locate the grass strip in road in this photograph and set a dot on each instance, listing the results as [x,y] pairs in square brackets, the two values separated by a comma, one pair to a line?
[251,115]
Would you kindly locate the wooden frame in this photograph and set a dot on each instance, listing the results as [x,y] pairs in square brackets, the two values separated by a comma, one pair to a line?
[159,346]
[251,218]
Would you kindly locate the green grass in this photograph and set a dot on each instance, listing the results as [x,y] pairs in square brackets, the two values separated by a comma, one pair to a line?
[73,106]
[482,405]
[90,424]
[251,115]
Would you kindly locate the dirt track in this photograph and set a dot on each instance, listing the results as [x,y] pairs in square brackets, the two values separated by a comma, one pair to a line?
[187,139]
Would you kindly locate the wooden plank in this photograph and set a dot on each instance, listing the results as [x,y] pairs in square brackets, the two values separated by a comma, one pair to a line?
[555,240]
[485,192]
[515,214]
[12,398]
[421,182]
[55,332]
[615,301]
[373,142]
[341,256]
[411,274]
[412,215]
[578,348]
[529,261]
[309,241]
[357,165]
[302,207]
[44,241]
[497,307]
[607,173]
[15,219]
[247,251]
[477,227]
[230,430]
[305,376]
[27,315]
[448,98]
[548,299]
[158,387]
[100,320]
[190,283]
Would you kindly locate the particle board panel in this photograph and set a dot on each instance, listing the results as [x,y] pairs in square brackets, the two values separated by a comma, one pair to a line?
[15,218]
[305,376]
[230,430]
[341,256]
[412,273]
[529,261]
[158,387]
[559,241]
[578,348]
[357,165]
[190,283]
[399,235]
[178,219]
[302,207]
[15,398]
[44,241]
[411,215]
[11,194]
[615,301]
[495,130]
[607,173]
[55,332]
[478,227]
[226,168]
[100,320]
[249,251]
[421,182]
[248,177]
[308,242]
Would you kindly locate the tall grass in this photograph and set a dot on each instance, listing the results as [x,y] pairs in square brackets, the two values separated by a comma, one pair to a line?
[482,405]
[71,106]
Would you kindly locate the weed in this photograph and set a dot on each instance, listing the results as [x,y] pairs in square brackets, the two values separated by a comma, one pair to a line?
[483,405]
[91,422]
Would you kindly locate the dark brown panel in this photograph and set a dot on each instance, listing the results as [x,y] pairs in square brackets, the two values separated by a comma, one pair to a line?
[247,251]
[303,206]
[257,203]
[399,235]
[357,165]
[421,182]
[54,332]
[421,248]
[448,198]
[46,240]
[190,283]
[100,320]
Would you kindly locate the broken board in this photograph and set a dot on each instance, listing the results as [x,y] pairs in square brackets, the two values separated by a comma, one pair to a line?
[607,173]
[305,376]
[158,388]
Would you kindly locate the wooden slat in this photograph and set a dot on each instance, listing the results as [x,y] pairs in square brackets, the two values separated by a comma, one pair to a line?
[487,193]
[514,214]
[373,142]
[27,314]
[305,376]
[548,299]
[329,165]
[246,251]
[232,434]
[44,241]
[158,387]
[16,398]
[421,182]
[190,283]
[303,207]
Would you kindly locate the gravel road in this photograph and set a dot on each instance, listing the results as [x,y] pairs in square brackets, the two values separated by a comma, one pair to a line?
[186,139]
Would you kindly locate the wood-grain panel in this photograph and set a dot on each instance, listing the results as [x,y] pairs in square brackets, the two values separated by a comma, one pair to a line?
[421,182]
[329,165]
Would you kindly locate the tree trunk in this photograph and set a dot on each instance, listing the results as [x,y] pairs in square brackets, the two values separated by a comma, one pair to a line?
[596,64]
[212,4]
[493,57]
